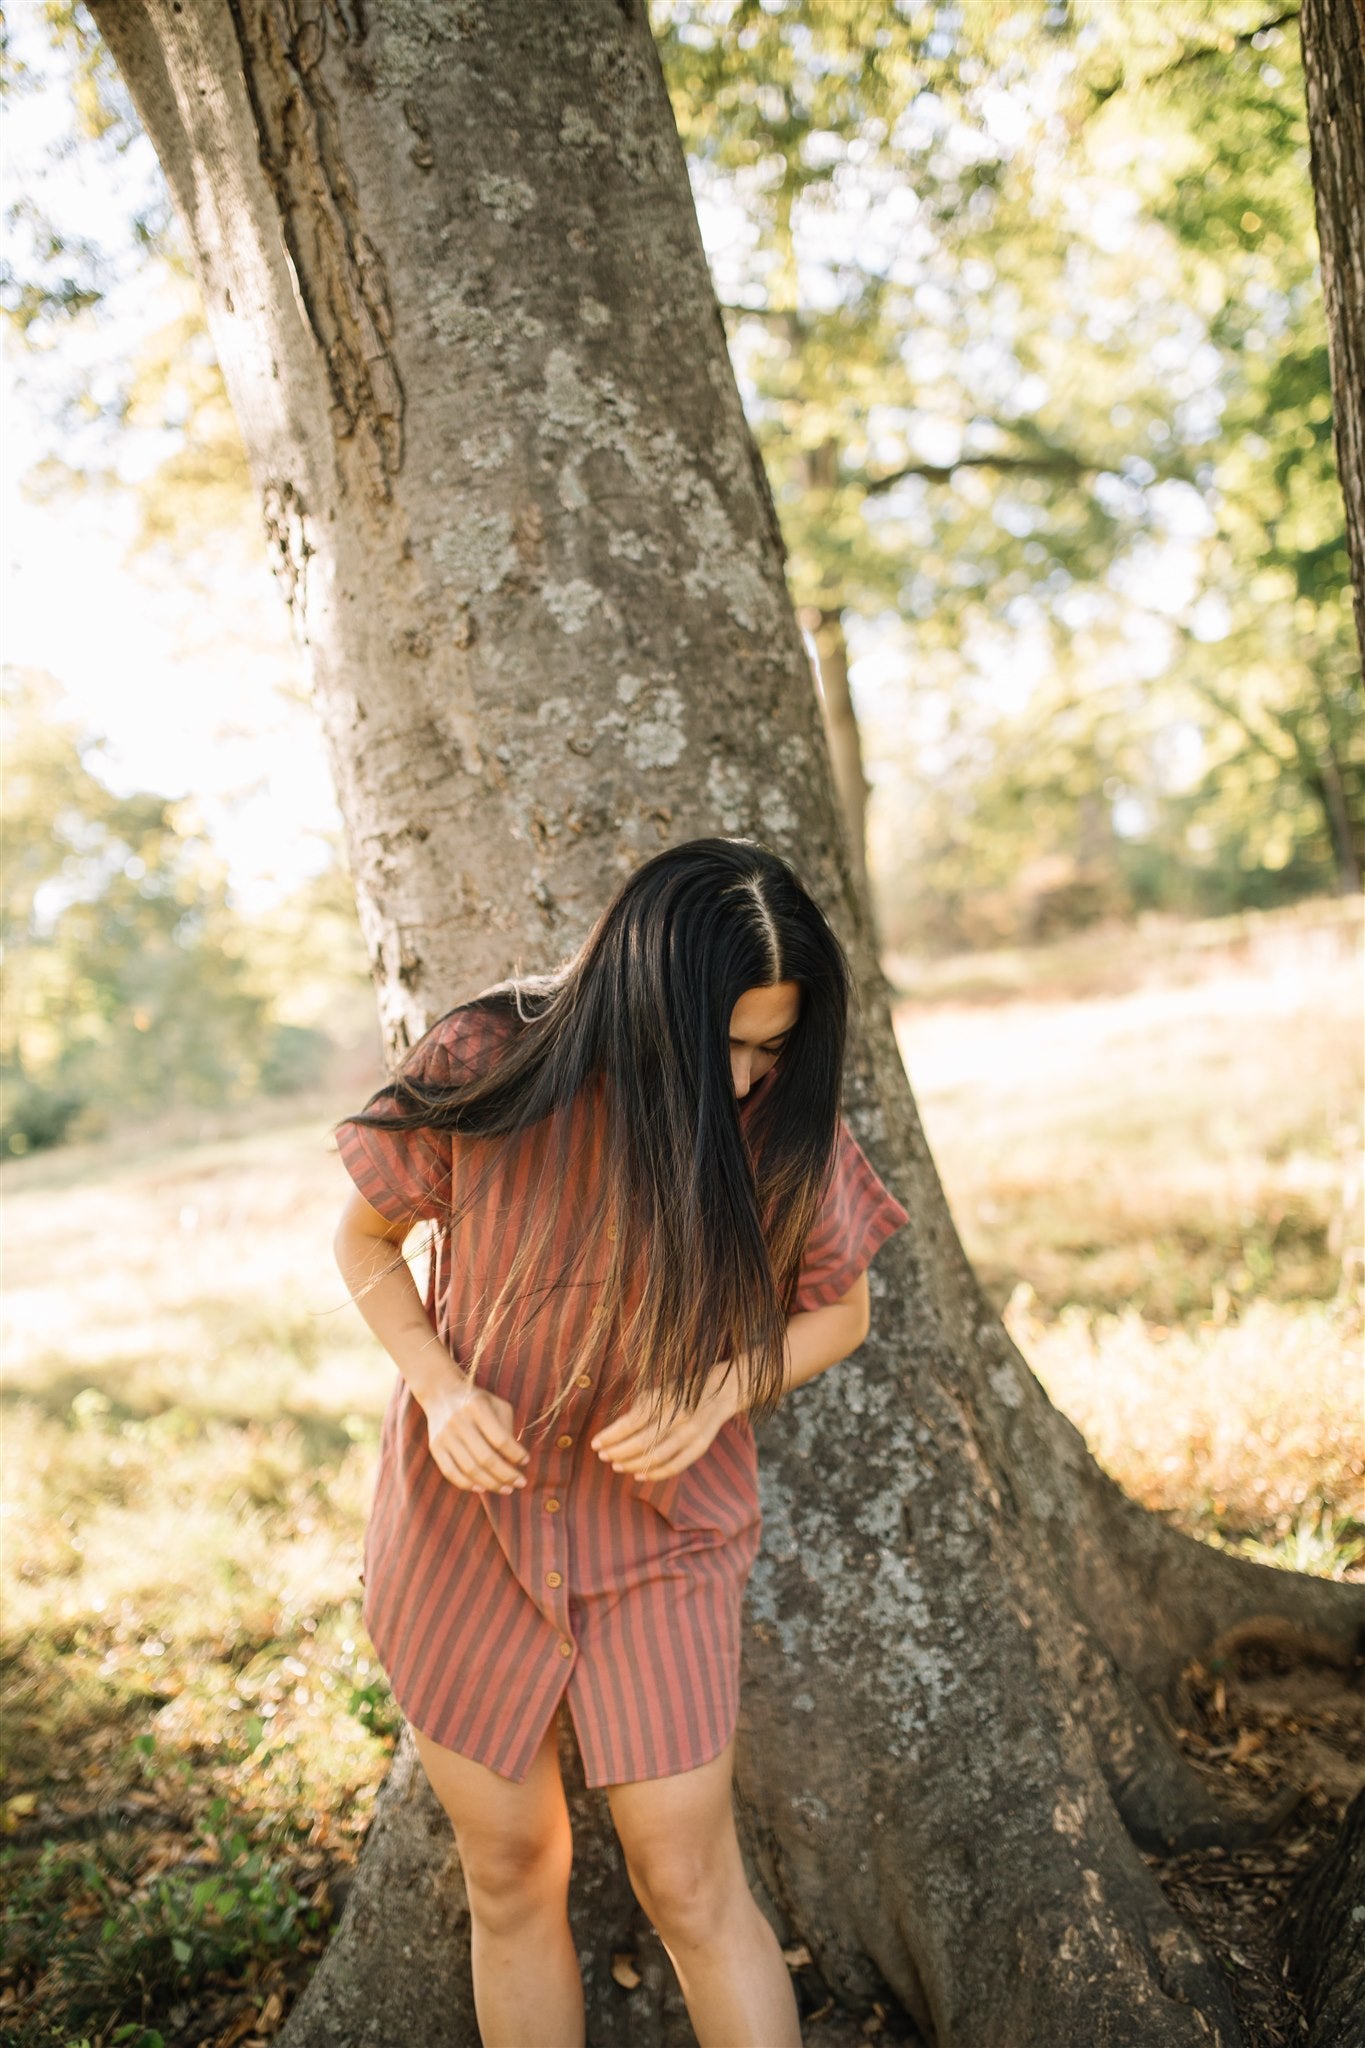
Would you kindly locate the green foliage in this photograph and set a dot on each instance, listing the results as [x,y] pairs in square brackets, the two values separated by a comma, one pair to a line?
[108,1948]
[1026,316]
[126,981]
[1053,410]
[1283,714]
[53,272]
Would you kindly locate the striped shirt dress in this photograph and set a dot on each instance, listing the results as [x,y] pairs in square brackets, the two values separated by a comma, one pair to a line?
[486,1609]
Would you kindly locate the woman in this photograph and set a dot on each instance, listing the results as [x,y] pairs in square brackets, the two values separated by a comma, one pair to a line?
[649,1223]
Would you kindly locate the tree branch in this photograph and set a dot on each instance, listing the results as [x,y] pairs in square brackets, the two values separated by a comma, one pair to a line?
[1236,716]
[784,315]
[1223,48]
[1029,465]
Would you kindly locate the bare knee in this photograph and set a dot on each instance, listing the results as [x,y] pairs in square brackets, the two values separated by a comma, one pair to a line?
[689,1897]
[510,1878]
[514,1839]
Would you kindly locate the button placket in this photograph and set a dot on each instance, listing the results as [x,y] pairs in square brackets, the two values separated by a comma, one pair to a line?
[565,1442]
[554,1576]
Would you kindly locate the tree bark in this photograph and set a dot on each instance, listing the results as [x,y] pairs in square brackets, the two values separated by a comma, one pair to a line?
[1333,34]
[452,269]
[1325,1935]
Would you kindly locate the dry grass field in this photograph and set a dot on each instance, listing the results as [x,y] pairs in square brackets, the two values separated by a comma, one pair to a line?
[1156,1168]
[1153,1157]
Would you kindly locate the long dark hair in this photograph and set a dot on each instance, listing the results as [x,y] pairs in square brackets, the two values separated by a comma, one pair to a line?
[712,1215]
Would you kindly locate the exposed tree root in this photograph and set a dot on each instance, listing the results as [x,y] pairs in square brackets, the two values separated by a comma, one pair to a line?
[1324,1932]
[1165,1803]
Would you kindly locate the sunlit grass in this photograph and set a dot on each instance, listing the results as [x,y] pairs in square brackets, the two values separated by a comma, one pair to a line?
[1161,1190]
[1247,1433]
[192,1416]
[1173,1148]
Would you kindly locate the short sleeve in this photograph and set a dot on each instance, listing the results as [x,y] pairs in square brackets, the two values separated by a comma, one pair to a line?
[859,1214]
[406,1174]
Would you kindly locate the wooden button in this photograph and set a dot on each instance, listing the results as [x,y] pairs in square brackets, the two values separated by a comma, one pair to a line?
[552,1506]
[585,1379]
[554,1578]
[611,1230]
[562,1442]
[566,1649]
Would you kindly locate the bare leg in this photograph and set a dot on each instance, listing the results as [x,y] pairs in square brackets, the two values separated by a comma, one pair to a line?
[683,1856]
[515,1849]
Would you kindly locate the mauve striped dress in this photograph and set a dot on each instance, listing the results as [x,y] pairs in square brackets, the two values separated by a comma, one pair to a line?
[485,1609]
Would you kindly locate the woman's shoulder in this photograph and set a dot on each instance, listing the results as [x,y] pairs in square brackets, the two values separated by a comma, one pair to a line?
[459,1043]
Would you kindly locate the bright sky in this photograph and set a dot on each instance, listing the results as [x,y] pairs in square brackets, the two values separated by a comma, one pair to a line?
[189,703]
[188,686]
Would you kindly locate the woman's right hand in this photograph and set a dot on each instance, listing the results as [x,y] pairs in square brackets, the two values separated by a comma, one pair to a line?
[470,1435]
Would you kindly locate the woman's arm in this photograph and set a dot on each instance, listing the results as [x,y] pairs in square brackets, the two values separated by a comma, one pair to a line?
[365,1245]
[470,1431]
[820,1337]
[816,1338]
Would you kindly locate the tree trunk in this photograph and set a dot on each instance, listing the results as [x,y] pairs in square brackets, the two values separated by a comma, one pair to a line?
[452,269]
[826,629]
[1333,34]
[1338,816]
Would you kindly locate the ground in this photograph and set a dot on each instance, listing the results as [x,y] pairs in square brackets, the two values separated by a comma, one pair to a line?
[1151,1144]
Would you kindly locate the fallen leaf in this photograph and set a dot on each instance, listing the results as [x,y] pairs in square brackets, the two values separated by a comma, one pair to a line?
[245,2023]
[17,1809]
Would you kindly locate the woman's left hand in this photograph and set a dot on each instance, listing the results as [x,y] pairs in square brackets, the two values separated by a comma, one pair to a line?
[632,1442]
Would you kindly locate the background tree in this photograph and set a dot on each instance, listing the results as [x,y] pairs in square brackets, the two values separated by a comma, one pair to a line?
[1030,328]
[1080,461]
[1026,319]
[454,279]
[127,987]
[1334,65]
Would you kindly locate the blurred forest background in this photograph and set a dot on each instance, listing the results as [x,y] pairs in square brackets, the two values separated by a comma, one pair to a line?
[1024,309]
